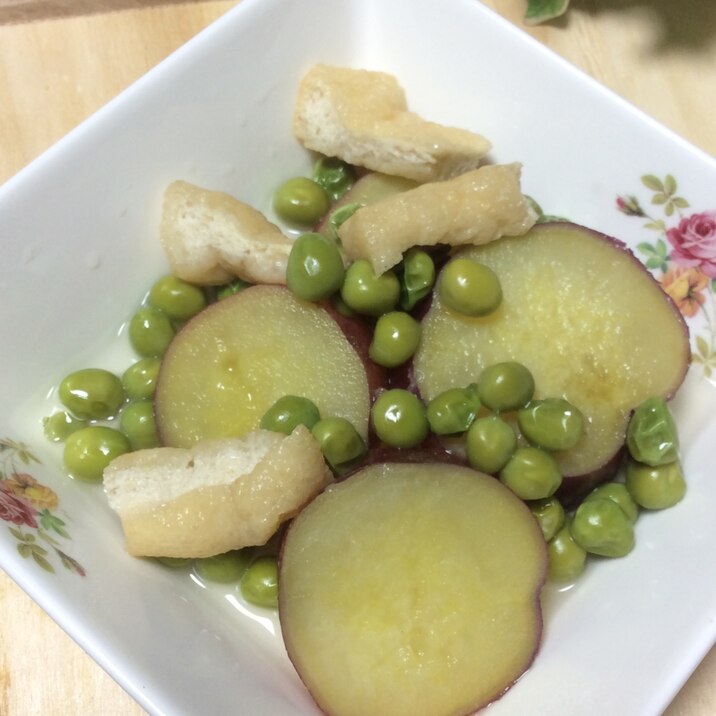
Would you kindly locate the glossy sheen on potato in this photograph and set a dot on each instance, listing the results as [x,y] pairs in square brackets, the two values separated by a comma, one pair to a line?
[411,590]
[231,362]
[584,315]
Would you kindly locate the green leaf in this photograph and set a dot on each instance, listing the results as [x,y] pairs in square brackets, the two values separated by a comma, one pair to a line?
[43,563]
[44,535]
[61,530]
[543,10]
[20,449]
[25,550]
[669,184]
[54,523]
[702,346]
[669,209]
[680,202]
[652,182]
[38,550]
[661,248]
[646,248]
[659,198]
[656,225]
[656,263]
[17,534]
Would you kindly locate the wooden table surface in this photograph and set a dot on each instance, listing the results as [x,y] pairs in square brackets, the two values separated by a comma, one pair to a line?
[62,59]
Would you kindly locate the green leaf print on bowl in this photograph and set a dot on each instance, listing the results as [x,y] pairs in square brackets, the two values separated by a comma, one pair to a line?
[683,259]
[30,508]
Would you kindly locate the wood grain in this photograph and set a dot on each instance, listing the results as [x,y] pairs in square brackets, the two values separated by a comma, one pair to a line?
[61,60]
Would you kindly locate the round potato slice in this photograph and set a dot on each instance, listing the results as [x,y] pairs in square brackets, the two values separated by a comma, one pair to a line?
[411,590]
[235,359]
[585,316]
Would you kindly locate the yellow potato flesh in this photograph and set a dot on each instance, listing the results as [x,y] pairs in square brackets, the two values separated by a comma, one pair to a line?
[235,359]
[411,590]
[583,315]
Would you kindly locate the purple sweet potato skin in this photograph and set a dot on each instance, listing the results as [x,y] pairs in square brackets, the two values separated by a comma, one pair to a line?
[575,487]
[360,334]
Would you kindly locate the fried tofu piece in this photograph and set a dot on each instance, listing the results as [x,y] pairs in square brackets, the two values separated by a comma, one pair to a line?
[362,117]
[210,238]
[474,208]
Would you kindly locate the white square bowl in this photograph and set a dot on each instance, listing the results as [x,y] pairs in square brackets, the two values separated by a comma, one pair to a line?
[79,233]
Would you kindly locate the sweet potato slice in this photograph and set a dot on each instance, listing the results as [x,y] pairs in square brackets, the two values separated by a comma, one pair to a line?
[233,360]
[584,315]
[411,590]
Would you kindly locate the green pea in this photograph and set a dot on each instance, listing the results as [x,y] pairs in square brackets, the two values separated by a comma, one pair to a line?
[652,437]
[301,201]
[601,527]
[341,215]
[453,411]
[550,516]
[655,487]
[178,299]
[490,444]
[469,287]
[552,424]
[340,305]
[618,492]
[89,450]
[505,386]
[399,418]
[417,278]
[367,293]
[150,331]
[137,423]
[334,175]
[395,338]
[223,568]
[140,379]
[531,473]
[566,558]
[231,288]
[59,426]
[259,585]
[315,267]
[339,440]
[288,412]
[92,393]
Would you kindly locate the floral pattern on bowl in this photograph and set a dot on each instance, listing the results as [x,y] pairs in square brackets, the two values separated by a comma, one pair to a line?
[683,257]
[30,508]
